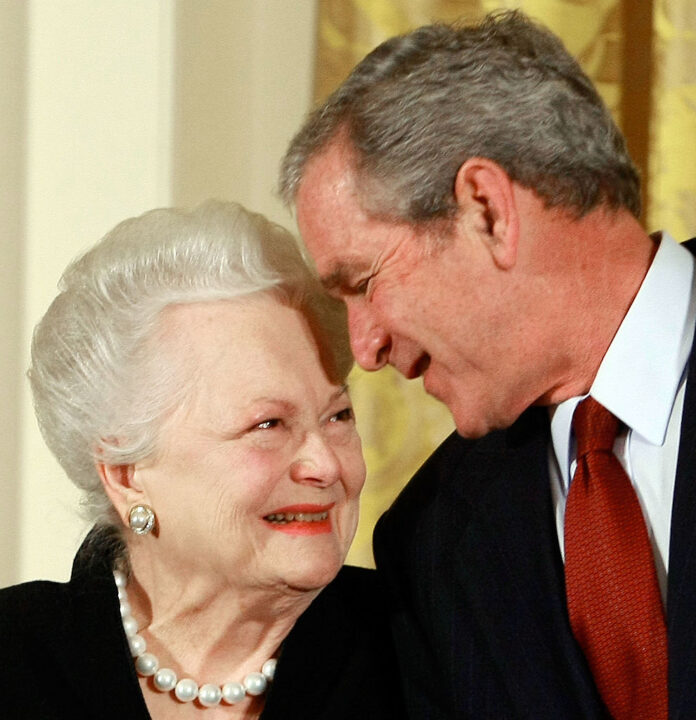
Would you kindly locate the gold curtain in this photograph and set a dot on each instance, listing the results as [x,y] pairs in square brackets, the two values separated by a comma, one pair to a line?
[641,54]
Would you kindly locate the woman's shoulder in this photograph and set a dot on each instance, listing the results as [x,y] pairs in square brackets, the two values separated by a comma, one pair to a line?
[31,602]
[62,651]
[29,614]
[32,624]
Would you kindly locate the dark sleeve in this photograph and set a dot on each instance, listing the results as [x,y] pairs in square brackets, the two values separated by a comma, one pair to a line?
[63,653]
[338,663]
[411,541]
[32,684]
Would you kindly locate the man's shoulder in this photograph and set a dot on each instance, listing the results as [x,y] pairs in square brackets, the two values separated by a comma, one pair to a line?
[352,584]
[435,492]
[447,472]
[460,473]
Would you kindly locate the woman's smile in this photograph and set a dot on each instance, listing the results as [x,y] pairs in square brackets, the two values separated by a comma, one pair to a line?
[301,519]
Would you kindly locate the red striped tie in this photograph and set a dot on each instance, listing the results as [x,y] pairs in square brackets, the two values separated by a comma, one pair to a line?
[611,586]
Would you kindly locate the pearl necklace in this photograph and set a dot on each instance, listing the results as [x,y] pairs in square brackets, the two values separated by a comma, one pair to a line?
[186,689]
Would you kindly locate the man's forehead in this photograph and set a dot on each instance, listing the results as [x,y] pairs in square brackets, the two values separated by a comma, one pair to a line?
[330,168]
[328,192]
[331,222]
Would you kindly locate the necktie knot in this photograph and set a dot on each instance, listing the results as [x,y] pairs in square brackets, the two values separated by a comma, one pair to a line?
[594,426]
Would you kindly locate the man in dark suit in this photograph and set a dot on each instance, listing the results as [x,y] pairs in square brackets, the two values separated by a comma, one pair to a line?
[468,196]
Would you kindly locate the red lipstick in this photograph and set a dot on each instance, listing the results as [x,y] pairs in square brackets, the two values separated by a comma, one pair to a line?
[306,519]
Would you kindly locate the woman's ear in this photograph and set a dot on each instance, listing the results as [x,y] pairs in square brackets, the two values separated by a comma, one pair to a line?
[119,482]
[485,196]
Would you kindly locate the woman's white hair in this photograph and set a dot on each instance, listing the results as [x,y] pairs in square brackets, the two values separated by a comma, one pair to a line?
[101,391]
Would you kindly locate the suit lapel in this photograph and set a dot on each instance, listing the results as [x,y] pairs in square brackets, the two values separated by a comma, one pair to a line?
[512,573]
[681,593]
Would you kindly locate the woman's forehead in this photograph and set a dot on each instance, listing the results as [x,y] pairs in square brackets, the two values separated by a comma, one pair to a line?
[236,352]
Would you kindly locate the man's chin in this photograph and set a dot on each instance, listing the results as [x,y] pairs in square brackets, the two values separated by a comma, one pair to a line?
[471,426]
[469,423]
[469,432]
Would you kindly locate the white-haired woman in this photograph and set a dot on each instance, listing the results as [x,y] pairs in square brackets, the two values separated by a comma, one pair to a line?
[190,378]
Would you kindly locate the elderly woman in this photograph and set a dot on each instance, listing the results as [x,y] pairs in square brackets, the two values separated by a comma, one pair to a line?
[191,379]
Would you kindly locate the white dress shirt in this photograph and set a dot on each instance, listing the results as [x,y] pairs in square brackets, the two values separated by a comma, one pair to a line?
[641,380]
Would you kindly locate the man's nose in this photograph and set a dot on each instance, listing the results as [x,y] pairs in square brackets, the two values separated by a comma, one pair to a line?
[369,341]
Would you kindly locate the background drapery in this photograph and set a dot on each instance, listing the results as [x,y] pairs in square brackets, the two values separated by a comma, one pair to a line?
[641,54]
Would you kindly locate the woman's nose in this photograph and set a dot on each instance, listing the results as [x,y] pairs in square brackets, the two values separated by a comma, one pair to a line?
[316,462]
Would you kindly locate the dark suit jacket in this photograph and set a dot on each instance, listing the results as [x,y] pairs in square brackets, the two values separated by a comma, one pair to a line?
[63,654]
[470,553]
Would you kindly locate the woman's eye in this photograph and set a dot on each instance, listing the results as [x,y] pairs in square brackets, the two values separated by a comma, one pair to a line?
[343,416]
[267,424]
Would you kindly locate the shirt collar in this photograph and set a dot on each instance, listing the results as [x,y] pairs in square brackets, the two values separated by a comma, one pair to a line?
[640,374]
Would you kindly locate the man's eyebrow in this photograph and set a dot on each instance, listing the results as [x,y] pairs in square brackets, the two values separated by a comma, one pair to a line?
[336,279]
[341,276]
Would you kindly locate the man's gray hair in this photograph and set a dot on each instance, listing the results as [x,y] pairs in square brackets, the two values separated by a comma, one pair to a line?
[419,105]
[101,388]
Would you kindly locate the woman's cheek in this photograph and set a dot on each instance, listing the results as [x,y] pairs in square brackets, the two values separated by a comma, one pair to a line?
[355,468]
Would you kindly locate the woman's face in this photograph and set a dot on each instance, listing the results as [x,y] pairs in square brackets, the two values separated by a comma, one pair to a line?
[257,477]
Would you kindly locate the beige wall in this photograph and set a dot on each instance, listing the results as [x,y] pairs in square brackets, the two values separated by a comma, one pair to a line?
[13,24]
[108,108]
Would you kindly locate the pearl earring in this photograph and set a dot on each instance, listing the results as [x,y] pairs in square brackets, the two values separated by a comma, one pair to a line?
[141,519]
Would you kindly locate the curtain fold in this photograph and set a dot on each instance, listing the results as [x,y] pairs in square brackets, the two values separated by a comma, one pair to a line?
[642,57]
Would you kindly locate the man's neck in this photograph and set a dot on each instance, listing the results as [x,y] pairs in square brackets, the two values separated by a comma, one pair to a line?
[595,266]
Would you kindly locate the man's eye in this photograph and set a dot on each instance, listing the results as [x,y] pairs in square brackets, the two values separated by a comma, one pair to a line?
[344,415]
[362,287]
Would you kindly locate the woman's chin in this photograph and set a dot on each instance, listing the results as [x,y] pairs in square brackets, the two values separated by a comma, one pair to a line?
[312,573]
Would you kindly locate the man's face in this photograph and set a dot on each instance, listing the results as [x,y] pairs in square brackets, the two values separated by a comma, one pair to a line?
[432,306]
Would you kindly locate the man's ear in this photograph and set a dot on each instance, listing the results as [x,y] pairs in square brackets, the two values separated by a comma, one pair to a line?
[121,487]
[486,200]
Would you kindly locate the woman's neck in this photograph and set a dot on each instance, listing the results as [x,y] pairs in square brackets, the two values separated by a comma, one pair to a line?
[208,629]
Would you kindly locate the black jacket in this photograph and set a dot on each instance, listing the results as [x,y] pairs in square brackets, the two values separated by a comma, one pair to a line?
[63,653]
